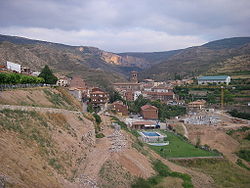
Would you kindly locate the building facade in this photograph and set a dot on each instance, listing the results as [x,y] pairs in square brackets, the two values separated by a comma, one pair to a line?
[13,66]
[162,96]
[149,112]
[98,98]
[120,108]
[223,79]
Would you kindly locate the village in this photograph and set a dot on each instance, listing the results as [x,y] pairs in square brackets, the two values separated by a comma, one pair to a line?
[161,115]
[96,100]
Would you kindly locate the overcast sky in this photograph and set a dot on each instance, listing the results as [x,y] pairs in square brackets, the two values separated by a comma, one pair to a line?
[126,25]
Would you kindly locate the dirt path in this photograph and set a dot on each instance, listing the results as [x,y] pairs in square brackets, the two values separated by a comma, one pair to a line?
[100,152]
[185,130]
[97,158]
[199,179]
[39,109]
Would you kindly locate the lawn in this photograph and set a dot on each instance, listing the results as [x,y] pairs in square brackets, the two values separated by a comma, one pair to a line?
[179,148]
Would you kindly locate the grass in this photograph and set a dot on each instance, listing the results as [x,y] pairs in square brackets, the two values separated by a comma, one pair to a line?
[241,164]
[99,135]
[178,147]
[224,173]
[162,172]
[244,154]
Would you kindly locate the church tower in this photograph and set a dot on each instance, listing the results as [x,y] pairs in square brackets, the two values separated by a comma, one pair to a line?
[133,77]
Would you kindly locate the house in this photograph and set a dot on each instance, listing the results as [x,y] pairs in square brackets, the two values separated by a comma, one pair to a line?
[161,89]
[129,95]
[78,88]
[151,81]
[223,79]
[98,98]
[2,67]
[162,96]
[77,93]
[120,108]
[143,125]
[35,73]
[137,94]
[147,87]
[13,66]
[199,104]
[25,70]
[63,81]
[127,86]
[149,112]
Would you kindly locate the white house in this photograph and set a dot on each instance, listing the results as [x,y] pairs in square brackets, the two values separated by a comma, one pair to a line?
[13,66]
[137,94]
[203,80]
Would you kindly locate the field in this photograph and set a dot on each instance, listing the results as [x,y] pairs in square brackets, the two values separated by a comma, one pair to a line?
[224,173]
[179,148]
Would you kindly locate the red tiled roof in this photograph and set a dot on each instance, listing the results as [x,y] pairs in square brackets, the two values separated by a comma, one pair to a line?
[160,93]
[98,92]
[127,83]
[145,107]
[143,123]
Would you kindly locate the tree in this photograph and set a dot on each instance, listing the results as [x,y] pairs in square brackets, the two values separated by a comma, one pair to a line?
[48,76]
[115,96]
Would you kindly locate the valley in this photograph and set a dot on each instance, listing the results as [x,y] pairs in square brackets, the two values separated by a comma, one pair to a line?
[84,130]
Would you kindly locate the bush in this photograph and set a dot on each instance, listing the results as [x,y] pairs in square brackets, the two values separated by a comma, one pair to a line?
[244,154]
[163,171]
[247,137]
[98,119]
[15,78]
[241,164]
[90,108]
[242,115]
[99,135]
[141,183]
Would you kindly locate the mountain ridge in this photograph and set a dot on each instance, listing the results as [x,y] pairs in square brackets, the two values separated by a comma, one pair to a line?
[111,67]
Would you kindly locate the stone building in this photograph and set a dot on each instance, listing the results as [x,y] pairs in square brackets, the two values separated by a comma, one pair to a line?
[149,112]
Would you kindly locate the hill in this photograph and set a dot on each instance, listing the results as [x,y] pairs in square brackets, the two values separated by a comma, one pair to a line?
[96,66]
[101,68]
[50,144]
[233,42]
[224,56]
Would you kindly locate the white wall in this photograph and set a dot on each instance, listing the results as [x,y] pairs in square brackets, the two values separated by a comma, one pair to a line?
[14,66]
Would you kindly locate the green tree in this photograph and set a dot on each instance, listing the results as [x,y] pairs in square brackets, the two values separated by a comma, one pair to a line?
[48,76]
[90,108]
[115,96]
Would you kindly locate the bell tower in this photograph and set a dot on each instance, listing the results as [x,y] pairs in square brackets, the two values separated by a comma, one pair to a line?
[133,77]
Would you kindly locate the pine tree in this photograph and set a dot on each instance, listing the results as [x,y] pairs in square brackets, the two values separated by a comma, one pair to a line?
[48,76]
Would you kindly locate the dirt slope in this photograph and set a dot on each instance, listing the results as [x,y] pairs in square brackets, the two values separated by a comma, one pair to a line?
[42,97]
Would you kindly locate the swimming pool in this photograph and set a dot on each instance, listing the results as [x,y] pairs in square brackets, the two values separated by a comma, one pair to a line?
[151,133]
[151,136]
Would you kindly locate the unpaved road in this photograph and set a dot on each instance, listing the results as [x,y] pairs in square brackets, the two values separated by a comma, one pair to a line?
[38,109]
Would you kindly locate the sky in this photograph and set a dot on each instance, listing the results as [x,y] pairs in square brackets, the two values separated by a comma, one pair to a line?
[126,25]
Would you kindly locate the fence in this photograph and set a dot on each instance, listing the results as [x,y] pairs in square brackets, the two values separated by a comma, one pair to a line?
[9,86]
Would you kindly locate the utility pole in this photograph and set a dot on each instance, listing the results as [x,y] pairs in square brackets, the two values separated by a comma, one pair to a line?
[222,98]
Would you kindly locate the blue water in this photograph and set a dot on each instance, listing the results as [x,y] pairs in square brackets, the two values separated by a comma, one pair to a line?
[150,134]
